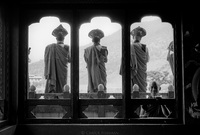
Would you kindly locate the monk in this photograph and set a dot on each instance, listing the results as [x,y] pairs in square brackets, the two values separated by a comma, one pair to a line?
[95,57]
[170,57]
[155,109]
[56,59]
[139,59]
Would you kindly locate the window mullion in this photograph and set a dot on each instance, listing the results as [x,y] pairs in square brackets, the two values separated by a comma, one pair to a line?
[126,71]
[75,69]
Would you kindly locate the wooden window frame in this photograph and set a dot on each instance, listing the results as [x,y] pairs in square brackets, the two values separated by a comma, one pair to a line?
[126,102]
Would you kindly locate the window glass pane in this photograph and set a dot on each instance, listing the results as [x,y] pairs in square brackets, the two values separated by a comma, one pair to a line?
[152,67]
[49,59]
[112,81]
[99,59]
[152,57]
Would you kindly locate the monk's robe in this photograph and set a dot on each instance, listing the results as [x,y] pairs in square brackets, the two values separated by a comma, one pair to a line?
[155,109]
[95,60]
[138,63]
[56,60]
[170,59]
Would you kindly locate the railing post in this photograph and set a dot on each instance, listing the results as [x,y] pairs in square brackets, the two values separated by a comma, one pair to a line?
[66,93]
[171,91]
[135,91]
[32,93]
[101,94]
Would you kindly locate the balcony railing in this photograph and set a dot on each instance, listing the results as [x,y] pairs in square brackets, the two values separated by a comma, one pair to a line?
[99,104]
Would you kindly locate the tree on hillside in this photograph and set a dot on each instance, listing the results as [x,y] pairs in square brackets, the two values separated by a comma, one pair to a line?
[160,77]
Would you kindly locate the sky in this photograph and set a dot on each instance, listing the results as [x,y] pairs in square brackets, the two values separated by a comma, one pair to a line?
[40,34]
[102,23]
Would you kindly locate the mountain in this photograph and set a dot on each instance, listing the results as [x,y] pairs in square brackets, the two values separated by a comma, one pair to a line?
[37,68]
[157,41]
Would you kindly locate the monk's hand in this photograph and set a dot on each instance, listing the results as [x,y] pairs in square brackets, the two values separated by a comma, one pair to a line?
[99,47]
[102,58]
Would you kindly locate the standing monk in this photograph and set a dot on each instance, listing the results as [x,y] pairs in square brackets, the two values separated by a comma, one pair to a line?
[95,57]
[170,57]
[139,59]
[56,59]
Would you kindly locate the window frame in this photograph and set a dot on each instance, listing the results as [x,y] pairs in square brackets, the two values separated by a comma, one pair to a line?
[5,102]
[75,102]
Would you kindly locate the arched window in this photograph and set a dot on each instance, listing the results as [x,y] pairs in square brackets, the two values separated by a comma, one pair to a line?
[115,96]
[49,65]
[40,36]
[157,45]
[113,41]
[152,67]
[103,76]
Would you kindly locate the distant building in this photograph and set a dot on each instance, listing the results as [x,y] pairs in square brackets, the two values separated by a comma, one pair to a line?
[34,78]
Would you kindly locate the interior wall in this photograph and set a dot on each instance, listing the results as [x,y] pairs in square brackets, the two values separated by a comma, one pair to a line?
[8,130]
[102,129]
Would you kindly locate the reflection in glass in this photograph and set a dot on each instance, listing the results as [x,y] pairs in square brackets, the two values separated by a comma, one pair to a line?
[160,65]
[48,40]
[154,109]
